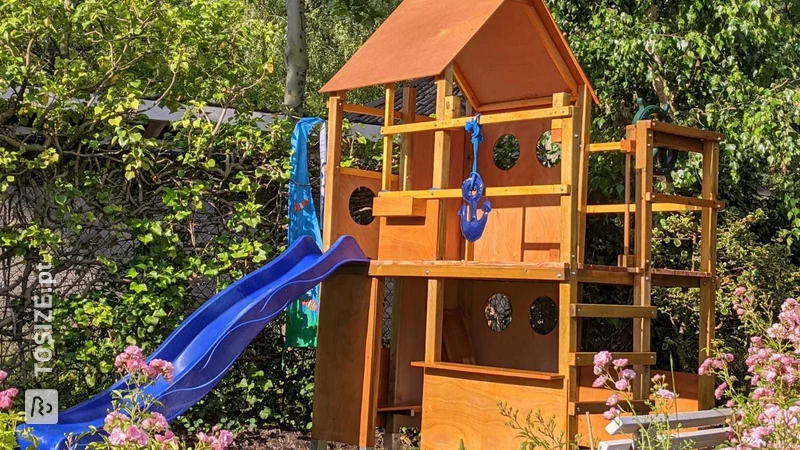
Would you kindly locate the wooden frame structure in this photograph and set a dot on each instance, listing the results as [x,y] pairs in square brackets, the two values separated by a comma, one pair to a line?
[444,369]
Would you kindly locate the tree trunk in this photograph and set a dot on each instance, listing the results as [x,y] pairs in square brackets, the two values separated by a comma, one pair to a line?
[296,57]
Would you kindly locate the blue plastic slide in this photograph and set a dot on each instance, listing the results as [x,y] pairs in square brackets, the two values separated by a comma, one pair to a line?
[206,344]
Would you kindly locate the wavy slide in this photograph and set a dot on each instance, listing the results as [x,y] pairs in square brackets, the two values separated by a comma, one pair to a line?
[206,344]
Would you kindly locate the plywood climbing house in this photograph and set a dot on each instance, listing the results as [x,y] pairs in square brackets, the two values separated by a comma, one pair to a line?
[472,325]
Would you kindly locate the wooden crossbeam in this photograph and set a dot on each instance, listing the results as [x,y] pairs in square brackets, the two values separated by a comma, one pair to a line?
[679,200]
[612,311]
[510,191]
[606,147]
[635,358]
[469,270]
[515,104]
[599,407]
[657,207]
[353,172]
[684,131]
[376,112]
[552,50]
[675,142]
[454,124]
[462,82]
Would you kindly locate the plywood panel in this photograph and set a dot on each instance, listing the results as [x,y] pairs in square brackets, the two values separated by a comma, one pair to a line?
[343,223]
[411,345]
[518,346]
[464,406]
[405,239]
[520,229]
[340,363]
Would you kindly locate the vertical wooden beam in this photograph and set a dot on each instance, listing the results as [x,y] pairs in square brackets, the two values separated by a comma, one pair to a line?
[644,241]
[369,397]
[335,117]
[585,110]
[407,139]
[708,263]
[388,140]
[569,290]
[441,172]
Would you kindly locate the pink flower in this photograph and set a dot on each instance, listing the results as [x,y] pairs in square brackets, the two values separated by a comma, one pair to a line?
[620,363]
[134,434]
[159,367]
[602,359]
[156,422]
[115,419]
[130,360]
[117,436]
[740,291]
[665,394]
[600,382]
[611,414]
[720,391]
[613,400]
[219,440]
[628,374]
[3,375]
[7,397]
[166,439]
[621,384]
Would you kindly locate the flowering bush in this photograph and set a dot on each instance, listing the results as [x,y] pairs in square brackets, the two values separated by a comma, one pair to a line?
[765,413]
[133,423]
[618,377]
[9,418]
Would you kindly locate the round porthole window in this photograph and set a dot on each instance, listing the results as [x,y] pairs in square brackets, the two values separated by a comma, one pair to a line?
[498,312]
[361,205]
[544,315]
[547,152]
[506,152]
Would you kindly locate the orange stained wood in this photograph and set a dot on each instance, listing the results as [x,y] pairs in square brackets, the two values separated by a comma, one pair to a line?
[464,406]
[501,52]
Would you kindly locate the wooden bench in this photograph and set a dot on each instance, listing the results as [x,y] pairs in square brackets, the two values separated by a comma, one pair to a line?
[704,438]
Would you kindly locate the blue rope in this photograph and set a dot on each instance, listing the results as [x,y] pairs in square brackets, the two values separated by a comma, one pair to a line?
[474,128]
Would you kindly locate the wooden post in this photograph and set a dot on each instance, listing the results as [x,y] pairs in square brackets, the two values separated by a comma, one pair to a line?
[569,290]
[585,111]
[407,140]
[369,397]
[388,140]
[708,263]
[441,172]
[335,117]
[643,251]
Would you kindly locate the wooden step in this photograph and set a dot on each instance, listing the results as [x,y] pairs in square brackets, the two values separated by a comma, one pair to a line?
[634,358]
[612,311]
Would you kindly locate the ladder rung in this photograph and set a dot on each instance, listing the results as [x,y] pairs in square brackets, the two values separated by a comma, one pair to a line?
[599,407]
[612,311]
[634,358]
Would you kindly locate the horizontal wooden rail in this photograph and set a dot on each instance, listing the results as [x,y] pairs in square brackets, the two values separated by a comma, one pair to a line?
[612,311]
[376,112]
[688,201]
[515,104]
[469,269]
[682,143]
[634,358]
[599,407]
[510,191]
[628,425]
[408,410]
[657,207]
[677,130]
[606,147]
[353,172]
[486,370]
[454,124]
[399,207]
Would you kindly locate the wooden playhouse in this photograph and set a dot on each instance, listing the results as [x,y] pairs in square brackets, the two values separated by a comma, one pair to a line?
[448,364]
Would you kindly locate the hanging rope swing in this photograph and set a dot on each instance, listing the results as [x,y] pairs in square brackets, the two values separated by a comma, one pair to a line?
[472,190]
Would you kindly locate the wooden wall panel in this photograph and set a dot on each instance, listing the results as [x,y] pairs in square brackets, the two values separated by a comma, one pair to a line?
[338,387]
[464,406]
[409,239]
[343,223]
[411,310]
[520,229]
[518,346]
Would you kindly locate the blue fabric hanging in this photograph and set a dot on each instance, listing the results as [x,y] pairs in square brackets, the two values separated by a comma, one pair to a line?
[472,190]
[303,315]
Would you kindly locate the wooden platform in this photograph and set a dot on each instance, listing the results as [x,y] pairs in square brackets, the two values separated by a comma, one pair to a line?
[492,371]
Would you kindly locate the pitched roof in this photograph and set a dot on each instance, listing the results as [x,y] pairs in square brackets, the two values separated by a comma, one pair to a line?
[504,50]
